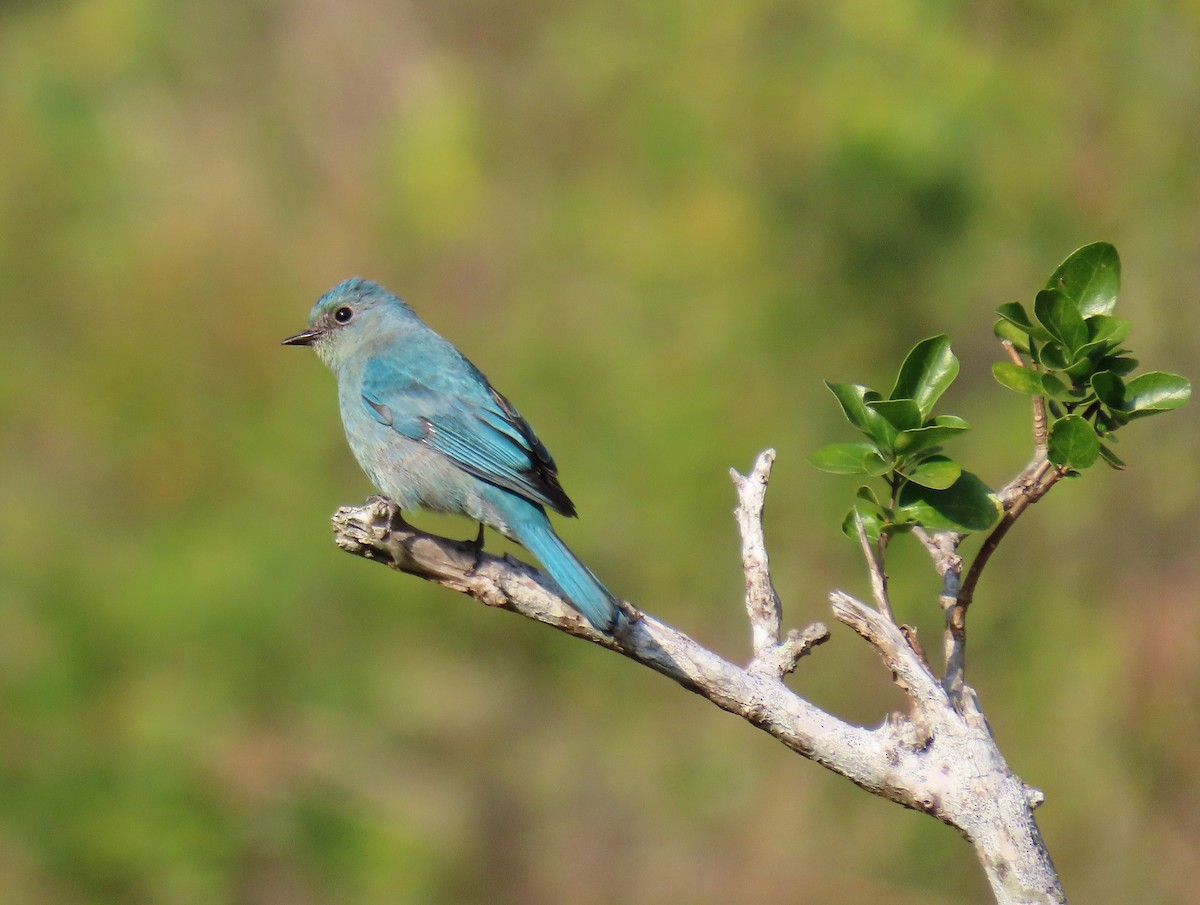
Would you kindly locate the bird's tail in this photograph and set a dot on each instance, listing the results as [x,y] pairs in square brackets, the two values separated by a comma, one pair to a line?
[582,588]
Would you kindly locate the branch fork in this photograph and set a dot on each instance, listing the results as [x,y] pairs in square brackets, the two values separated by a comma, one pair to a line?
[771,656]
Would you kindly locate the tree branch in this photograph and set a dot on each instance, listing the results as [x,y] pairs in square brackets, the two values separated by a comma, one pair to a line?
[762,600]
[1015,497]
[940,758]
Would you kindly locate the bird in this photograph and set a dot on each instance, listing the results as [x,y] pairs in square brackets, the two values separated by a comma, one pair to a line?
[431,432]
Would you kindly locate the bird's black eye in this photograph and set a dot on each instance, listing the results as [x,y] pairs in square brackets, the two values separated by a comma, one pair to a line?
[343,315]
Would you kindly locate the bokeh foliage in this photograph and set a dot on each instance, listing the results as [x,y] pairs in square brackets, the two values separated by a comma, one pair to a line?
[657,227]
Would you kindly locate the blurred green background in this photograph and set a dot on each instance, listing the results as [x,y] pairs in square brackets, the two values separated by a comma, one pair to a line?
[657,227]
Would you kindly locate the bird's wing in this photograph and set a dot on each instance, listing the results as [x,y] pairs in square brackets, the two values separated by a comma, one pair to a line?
[469,423]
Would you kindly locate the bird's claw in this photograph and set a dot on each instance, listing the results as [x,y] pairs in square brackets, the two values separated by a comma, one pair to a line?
[477,547]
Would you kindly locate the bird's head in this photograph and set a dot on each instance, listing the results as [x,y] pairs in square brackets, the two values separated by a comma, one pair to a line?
[352,313]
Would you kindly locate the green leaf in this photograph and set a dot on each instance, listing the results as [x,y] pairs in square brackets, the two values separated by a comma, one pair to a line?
[928,369]
[873,525]
[1017,378]
[1120,364]
[1072,442]
[849,458]
[1107,422]
[1089,278]
[1035,353]
[950,421]
[1060,316]
[1156,391]
[1082,366]
[967,505]
[1056,389]
[1015,335]
[941,429]
[1109,389]
[936,472]
[854,398]
[866,494]
[1095,350]
[1111,459]
[1031,383]
[1111,330]
[1014,313]
[902,414]
[1053,358]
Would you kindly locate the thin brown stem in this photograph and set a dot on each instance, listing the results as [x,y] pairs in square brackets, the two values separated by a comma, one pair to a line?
[1040,431]
[1025,490]
[1043,478]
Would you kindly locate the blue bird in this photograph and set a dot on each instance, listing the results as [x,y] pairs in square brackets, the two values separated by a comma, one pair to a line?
[431,432]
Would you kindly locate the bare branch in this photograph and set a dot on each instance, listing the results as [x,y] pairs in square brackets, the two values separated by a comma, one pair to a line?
[376,531]
[874,569]
[942,548]
[762,600]
[782,658]
[770,656]
[940,758]
[882,633]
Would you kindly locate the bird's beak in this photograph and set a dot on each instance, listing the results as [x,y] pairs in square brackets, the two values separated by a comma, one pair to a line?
[307,338]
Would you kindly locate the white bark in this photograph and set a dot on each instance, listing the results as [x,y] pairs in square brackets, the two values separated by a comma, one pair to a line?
[939,757]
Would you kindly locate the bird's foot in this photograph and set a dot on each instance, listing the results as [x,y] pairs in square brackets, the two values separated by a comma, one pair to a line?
[388,512]
[366,530]
[477,546]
